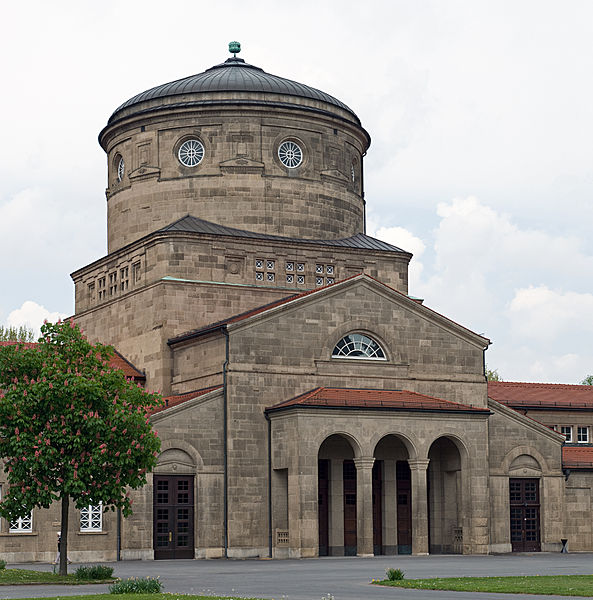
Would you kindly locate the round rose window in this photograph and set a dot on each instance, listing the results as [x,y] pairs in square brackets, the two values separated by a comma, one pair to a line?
[191,153]
[290,154]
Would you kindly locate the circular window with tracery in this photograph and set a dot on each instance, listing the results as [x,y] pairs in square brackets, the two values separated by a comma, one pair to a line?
[290,154]
[191,153]
[358,345]
[121,169]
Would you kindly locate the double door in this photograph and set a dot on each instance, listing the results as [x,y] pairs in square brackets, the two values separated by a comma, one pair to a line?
[525,509]
[173,516]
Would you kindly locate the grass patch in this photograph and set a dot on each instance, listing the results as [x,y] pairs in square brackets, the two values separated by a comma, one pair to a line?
[146,597]
[29,577]
[560,585]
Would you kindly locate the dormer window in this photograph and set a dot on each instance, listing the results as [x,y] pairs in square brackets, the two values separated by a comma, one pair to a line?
[358,346]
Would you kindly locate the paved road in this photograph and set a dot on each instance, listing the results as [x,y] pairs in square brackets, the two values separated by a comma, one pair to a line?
[314,579]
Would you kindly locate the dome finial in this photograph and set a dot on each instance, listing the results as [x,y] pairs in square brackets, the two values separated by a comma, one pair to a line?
[235,48]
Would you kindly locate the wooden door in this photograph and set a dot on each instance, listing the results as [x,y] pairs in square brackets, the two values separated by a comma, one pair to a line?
[350,542]
[378,507]
[173,516]
[525,509]
[404,507]
[323,506]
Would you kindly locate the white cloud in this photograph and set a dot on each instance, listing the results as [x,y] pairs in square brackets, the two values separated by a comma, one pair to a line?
[32,315]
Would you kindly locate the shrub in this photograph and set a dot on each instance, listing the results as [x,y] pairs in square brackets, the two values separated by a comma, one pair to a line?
[136,586]
[394,574]
[94,572]
[2,565]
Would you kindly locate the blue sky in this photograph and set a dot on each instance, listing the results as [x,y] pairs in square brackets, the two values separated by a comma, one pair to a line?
[481,161]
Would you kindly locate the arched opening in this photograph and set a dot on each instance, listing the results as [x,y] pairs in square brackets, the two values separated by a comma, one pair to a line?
[392,498]
[173,505]
[524,504]
[337,497]
[445,498]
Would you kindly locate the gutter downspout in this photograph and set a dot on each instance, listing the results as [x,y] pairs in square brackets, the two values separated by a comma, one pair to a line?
[118,547]
[270,538]
[225,443]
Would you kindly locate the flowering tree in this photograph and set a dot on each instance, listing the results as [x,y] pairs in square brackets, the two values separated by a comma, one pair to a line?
[71,427]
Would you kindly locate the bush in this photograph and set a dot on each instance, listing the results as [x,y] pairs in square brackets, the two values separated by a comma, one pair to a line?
[94,572]
[136,586]
[2,565]
[394,574]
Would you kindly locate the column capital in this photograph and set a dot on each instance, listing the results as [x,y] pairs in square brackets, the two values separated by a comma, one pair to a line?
[418,464]
[364,462]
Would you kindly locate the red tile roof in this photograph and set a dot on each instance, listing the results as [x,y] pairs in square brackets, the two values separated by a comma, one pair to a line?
[575,457]
[171,401]
[545,396]
[323,397]
[117,361]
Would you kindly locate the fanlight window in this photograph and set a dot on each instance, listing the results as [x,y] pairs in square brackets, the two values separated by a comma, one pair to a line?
[357,345]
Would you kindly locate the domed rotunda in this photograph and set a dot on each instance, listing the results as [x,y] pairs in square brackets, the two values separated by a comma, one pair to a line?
[239,147]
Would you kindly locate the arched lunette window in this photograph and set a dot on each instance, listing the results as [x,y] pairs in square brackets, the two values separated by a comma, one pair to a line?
[358,346]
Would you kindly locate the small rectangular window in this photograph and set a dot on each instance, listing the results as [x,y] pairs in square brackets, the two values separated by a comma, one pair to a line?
[583,435]
[136,272]
[290,266]
[91,518]
[22,524]
[566,431]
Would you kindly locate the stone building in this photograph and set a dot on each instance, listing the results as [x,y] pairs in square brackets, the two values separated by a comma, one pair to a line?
[314,407]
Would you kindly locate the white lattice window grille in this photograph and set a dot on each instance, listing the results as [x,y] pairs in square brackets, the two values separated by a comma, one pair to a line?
[329,269]
[566,431]
[583,435]
[290,266]
[191,153]
[300,267]
[270,265]
[22,524]
[259,276]
[318,268]
[91,518]
[290,154]
[259,263]
[319,280]
[301,279]
[329,280]
[121,169]
[358,346]
[270,276]
[290,278]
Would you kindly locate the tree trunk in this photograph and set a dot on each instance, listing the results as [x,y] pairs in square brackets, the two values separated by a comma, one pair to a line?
[64,537]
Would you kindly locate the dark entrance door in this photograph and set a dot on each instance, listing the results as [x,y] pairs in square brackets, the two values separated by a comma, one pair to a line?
[173,516]
[524,504]
[349,508]
[378,507]
[323,506]
[404,507]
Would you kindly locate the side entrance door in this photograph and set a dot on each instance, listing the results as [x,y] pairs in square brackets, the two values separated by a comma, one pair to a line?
[525,508]
[173,516]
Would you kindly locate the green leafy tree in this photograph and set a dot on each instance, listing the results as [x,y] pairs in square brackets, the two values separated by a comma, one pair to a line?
[16,334]
[588,380]
[72,428]
[493,375]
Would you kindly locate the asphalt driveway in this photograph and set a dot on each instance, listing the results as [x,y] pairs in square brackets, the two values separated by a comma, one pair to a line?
[314,579]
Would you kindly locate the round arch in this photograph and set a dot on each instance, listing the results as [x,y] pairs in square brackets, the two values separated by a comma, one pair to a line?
[169,446]
[527,450]
[406,439]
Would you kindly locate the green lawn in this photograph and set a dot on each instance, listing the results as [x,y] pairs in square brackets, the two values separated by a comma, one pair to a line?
[561,585]
[26,576]
[145,597]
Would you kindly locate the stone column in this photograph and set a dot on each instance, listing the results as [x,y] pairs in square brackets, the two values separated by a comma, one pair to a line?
[418,469]
[336,507]
[389,507]
[364,505]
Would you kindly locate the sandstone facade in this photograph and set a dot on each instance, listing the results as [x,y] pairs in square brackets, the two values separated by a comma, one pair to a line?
[313,405]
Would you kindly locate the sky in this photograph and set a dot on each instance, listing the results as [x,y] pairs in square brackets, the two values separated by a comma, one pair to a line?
[481,162]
